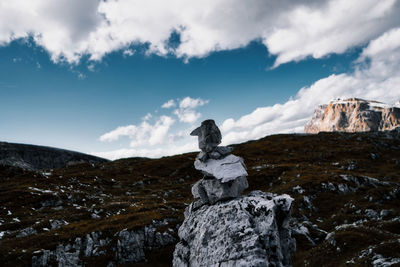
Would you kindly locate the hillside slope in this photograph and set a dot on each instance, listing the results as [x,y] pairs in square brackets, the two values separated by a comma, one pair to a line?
[346,188]
[33,157]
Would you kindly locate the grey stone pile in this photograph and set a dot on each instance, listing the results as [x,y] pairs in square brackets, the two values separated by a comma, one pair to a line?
[224,228]
[224,173]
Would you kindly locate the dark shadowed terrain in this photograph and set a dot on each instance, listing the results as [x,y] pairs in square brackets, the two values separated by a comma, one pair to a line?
[346,211]
[31,157]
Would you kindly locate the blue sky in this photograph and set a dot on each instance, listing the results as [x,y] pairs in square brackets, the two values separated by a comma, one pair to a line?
[94,99]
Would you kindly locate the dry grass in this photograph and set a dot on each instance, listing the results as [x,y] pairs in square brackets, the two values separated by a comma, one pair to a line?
[130,193]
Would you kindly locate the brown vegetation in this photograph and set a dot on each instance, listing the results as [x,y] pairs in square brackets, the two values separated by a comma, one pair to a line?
[130,193]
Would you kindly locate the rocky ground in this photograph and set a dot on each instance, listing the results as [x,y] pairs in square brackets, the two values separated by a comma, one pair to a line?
[346,190]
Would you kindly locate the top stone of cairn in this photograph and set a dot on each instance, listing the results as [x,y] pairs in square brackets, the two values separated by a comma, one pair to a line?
[209,136]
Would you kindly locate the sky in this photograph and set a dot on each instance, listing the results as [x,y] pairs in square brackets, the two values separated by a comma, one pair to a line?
[133,78]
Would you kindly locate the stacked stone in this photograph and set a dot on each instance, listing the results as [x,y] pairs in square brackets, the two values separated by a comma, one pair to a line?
[224,173]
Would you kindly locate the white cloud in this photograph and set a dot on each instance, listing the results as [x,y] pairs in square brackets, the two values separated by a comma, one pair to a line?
[158,139]
[192,103]
[147,117]
[168,150]
[290,29]
[143,134]
[376,77]
[114,135]
[186,111]
[169,104]
[128,52]
[331,28]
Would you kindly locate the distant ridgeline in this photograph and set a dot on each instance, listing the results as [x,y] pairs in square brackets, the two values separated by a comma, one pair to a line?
[33,157]
[354,115]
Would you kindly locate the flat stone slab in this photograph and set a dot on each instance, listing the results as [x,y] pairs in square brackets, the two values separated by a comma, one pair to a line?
[209,191]
[225,169]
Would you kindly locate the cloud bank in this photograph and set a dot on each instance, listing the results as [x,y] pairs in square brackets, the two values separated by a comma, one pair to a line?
[157,138]
[376,76]
[291,30]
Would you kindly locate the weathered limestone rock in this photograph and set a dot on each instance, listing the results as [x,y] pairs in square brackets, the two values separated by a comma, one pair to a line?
[354,115]
[251,230]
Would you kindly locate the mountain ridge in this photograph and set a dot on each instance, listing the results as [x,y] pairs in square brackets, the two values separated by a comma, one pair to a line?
[36,157]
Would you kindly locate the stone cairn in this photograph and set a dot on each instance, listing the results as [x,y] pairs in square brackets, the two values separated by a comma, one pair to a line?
[222,227]
[224,173]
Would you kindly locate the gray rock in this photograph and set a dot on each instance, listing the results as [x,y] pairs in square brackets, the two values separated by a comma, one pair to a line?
[26,232]
[251,230]
[128,246]
[209,136]
[226,169]
[212,190]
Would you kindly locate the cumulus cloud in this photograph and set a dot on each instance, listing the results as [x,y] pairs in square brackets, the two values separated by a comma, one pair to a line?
[169,104]
[157,139]
[144,134]
[292,30]
[187,109]
[376,77]
[332,28]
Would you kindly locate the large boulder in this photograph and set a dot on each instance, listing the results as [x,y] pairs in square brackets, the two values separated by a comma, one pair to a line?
[251,230]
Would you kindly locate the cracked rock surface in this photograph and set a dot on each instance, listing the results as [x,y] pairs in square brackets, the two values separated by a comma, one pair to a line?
[251,230]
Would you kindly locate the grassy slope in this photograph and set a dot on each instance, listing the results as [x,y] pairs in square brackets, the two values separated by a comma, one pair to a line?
[130,193]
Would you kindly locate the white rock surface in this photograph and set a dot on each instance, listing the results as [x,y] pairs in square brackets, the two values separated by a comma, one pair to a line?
[251,230]
[225,169]
[213,190]
[354,115]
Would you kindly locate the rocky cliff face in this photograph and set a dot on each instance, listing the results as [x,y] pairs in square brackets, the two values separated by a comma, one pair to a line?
[354,115]
[251,230]
[33,157]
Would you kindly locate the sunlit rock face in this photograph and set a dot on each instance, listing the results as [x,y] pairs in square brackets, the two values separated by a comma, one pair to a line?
[354,115]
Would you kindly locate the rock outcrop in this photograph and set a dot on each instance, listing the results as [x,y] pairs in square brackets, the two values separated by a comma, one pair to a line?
[223,228]
[251,230]
[126,246]
[354,115]
[33,157]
